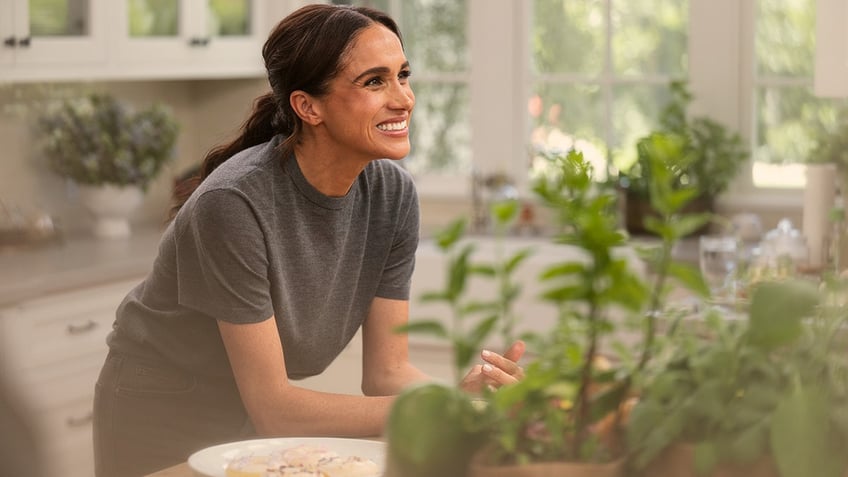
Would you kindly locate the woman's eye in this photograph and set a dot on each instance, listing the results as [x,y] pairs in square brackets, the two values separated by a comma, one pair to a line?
[404,75]
[374,81]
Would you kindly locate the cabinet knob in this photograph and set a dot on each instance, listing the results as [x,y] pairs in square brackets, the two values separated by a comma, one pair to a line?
[9,41]
[24,42]
[74,421]
[74,329]
[199,41]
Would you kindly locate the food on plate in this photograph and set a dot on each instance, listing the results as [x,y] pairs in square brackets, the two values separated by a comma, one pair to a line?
[300,461]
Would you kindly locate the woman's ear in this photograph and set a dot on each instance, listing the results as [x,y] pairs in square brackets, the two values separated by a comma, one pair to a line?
[306,107]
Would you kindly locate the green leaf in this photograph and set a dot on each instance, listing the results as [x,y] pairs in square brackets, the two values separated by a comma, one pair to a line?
[690,277]
[482,331]
[608,400]
[686,225]
[517,258]
[749,445]
[801,438]
[706,457]
[447,237]
[433,430]
[504,211]
[430,297]
[428,327]
[777,309]
[484,270]
[563,269]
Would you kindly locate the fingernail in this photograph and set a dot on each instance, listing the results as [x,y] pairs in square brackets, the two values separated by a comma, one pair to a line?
[486,353]
[487,368]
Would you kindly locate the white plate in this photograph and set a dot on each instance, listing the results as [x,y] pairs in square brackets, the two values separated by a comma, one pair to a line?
[212,461]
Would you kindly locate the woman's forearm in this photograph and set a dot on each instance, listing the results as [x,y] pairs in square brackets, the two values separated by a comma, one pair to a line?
[296,411]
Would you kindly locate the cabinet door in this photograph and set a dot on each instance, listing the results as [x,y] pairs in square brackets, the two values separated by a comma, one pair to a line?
[190,37]
[232,32]
[7,32]
[55,32]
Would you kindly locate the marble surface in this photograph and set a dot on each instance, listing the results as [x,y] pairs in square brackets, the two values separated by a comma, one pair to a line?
[75,263]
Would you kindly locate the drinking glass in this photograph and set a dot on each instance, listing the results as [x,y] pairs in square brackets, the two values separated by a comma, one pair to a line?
[718,256]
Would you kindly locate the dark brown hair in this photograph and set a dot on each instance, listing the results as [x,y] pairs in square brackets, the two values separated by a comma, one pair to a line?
[304,52]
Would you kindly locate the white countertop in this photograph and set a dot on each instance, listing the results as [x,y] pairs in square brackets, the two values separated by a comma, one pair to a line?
[75,263]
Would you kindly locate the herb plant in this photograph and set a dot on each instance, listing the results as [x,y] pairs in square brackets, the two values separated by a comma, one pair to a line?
[95,139]
[772,384]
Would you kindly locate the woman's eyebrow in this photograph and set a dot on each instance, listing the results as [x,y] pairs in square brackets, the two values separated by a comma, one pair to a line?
[378,70]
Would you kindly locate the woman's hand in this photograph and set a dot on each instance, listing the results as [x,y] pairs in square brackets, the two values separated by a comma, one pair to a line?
[498,370]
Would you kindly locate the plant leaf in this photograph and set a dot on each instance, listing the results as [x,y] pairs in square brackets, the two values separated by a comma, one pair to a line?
[777,309]
[690,277]
[801,436]
[430,327]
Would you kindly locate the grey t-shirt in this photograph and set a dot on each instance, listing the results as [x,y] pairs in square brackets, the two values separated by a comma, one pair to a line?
[256,240]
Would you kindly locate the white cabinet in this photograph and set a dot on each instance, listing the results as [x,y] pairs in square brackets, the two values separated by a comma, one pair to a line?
[186,38]
[52,349]
[831,65]
[40,35]
[66,40]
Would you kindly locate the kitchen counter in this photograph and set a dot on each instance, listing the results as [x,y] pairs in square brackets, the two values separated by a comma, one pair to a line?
[179,470]
[74,263]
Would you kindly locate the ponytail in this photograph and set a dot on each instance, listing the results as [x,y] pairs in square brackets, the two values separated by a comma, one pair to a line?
[260,127]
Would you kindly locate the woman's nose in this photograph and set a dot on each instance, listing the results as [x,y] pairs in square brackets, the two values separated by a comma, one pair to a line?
[403,97]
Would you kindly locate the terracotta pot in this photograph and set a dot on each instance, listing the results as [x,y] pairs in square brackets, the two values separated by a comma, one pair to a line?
[678,460]
[548,469]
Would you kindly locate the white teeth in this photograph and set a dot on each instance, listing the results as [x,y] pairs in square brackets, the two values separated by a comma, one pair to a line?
[392,126]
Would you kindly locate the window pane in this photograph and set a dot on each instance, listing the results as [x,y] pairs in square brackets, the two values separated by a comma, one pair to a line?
[58,17]
[153,18]
[787,121]
[434,33]
[567,116]
[785,37]
[229,17]
[650,36]
[568,36]
[636,112]
[439,131]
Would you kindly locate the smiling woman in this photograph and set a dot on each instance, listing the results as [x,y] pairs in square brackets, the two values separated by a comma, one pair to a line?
[299,233]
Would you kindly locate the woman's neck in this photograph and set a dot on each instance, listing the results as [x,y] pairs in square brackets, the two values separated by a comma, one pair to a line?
[330,173]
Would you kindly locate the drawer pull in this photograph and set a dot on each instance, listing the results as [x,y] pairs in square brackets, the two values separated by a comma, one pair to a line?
[80,421]
[83,328]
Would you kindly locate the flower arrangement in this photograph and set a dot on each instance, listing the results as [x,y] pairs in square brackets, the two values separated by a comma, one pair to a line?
[96,139]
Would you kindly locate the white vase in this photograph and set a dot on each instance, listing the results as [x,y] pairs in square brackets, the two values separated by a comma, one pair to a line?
[111,207]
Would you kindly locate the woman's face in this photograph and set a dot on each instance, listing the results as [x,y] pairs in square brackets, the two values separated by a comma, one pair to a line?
[367,110]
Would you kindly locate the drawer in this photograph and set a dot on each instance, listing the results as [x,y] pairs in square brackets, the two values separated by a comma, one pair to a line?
[60,327]
[54,386]
[67,433]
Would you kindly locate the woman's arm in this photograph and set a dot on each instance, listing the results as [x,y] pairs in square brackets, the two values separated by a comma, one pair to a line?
[276,406]
[386,368]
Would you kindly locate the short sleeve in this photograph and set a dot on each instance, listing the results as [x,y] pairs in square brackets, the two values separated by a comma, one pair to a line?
[222,259]
[397,273]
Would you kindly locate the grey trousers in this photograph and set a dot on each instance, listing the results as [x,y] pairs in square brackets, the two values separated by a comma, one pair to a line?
[149,416]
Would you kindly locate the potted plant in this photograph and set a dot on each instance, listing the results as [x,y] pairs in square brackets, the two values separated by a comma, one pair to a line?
[568,412]
[765,395]
[716,157]
[110,150]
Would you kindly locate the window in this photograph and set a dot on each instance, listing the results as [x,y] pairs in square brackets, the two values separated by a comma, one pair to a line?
[435,35]
[499,80]
[600,71]
[787,114]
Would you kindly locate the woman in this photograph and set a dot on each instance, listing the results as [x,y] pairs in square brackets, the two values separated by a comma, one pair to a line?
[299,234]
